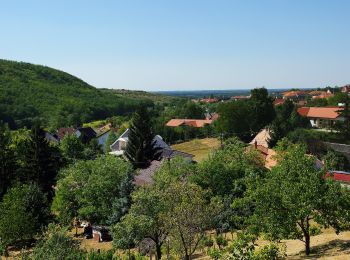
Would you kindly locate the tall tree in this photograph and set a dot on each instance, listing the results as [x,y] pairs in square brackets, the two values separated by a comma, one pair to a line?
[23,211]
[140,148]
[88,189]
[72,148]
[262,109]
[7,160]
[188,216]
[41,161]
[144,219]
[295,194]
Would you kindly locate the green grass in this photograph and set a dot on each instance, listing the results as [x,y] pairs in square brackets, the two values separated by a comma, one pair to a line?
[200,148]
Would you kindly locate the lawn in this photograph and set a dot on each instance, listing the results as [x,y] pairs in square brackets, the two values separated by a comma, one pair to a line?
[200,148]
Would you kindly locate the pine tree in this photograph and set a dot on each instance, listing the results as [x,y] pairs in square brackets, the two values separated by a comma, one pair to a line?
[41,161]
[140,149]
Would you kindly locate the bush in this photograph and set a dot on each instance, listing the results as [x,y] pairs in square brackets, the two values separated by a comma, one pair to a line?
[221,241]
[55,244]
[271,251]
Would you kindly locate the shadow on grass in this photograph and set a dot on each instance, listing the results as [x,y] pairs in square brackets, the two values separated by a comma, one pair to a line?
[332,248]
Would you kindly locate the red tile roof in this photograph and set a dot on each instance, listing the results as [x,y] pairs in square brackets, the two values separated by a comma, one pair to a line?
[320,112]
[294,93]
[278,101]
[189,122]
[339,176]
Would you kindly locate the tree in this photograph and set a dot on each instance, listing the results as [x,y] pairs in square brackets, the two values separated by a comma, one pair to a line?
[295,193]
[72,148]
[191,110]
[235,119]
[41,161]
[287,119]
[112,137]
[144,219]
[88,189]
[140,147]
[23,212]
[188,216]
[245,118]
[262,109]
[7,160]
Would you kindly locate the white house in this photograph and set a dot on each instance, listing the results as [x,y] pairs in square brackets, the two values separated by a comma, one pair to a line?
[118,147]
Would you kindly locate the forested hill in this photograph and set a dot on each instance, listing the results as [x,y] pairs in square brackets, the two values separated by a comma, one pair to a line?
[30,92]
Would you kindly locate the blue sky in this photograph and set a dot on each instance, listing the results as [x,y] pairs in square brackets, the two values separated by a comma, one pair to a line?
[183,44]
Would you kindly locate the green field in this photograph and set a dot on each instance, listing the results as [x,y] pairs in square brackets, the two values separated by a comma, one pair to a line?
[200,148]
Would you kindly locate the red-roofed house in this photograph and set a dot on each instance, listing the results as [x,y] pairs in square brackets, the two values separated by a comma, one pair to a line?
[322,117]
[198,123]
[341,176]
[278,101]
[295,95]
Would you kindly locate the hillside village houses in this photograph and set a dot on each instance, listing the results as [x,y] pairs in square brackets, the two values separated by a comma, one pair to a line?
[322,117]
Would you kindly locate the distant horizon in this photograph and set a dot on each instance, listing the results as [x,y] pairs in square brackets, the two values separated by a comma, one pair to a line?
[170,45]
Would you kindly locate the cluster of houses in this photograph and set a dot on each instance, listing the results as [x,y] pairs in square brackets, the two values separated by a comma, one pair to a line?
[86,134]
[197,123]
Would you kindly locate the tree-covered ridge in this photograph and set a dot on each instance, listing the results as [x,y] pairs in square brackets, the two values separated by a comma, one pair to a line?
[29,92]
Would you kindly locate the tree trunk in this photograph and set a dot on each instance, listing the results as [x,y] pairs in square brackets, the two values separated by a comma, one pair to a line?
[307,243]
[158,252]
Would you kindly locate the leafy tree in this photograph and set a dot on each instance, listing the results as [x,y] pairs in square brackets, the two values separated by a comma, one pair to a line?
[23,211]
[88,189]
[72,148]
[55,244]
[191,110]
[235,119]
[188,217]
[144,219]
[41,161]
[295,193]
[245,118]
[224,170]
[140,147]
[287,119]
[7,160]
[262,109]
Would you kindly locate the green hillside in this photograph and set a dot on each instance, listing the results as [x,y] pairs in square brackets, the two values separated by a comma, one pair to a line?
[30,92]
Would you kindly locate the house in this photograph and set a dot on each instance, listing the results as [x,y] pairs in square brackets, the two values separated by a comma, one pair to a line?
[209,100]
[235,98]
[52,138]
[119,146]
[295,95]
[262,138]
[261,144]
[103,136]
[340,176]
[278,101]
[197,123]
[63,131]
[346,89]
[211,116]
[322,117]
[321,94]
[86,134]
